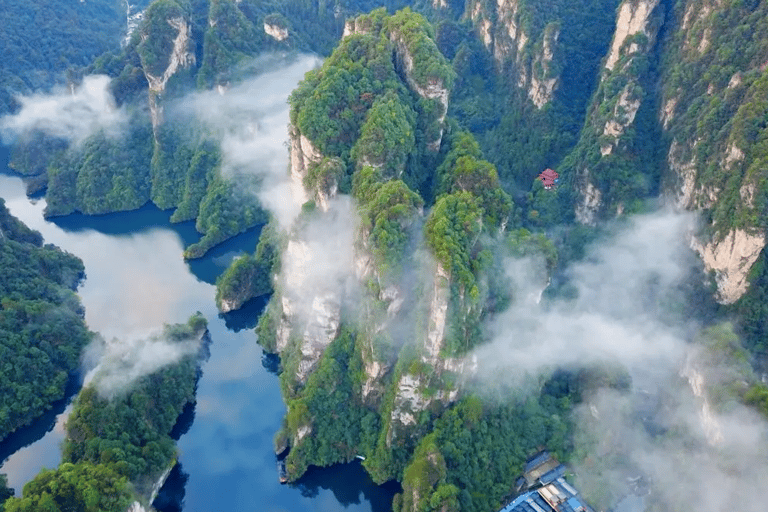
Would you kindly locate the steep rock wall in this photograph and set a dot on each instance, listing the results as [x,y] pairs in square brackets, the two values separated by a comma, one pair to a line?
[433,89]
[608,135]
[632,18]
[528,60]
[276,32]
[730,259]
[182,56]
[714,154]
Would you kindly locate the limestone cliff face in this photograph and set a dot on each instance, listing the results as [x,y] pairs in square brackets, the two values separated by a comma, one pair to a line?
[632,19]
[432,88]
[412,392]
[712,158]
[182,56]
[303,154]
[590,200]
[132,22]
[311,308]
[370,315]
[731,258]
[136,506]
[614,108]
[358,25]
[528,60]
[276,32]
[543,82]
[311,314]
[709,423]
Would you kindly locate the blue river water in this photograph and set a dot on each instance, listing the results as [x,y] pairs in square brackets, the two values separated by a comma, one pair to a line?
[136,281]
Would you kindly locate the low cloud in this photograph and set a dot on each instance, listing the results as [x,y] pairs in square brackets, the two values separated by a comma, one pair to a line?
[621,292]
[665,439]
[250,120]
[72,114]
[114,366]
[318,264]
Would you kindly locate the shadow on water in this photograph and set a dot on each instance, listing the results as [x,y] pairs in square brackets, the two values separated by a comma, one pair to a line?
[149,217]
[43,424]
[171,496]
[247,317]
[217,260]
[242,438]
[271,362]
[184,421]
[349,484]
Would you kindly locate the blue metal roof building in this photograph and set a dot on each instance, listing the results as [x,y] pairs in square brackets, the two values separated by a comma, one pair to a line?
[556,496]
[537,461]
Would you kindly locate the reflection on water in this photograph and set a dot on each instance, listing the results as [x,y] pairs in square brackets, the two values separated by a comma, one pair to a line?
[136,281]
[171,496]
[52,419]
[355,489]
[28,450]
[247,316]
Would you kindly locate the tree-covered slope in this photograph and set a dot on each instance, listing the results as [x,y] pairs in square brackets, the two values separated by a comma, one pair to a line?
[119,444]
[41,40]
[42,330]
[375,306]
[74,487]
[628,100]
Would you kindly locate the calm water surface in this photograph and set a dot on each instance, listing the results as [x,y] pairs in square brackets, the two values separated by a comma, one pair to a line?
[136,281]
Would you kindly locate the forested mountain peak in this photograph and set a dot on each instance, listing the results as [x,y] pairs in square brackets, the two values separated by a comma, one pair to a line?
[437,309]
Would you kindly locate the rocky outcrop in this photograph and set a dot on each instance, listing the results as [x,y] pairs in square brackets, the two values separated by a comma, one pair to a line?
[160,482]
[132,22]
[276,32]
[433,89]
[438,313]
[314,268]
[730,258]
[504,39]
[359,25]
[303,154]
[413,394]
[409,401]
[227,305]
[708,420]
[499,27]
[311,313]
[711,159]
[687,192]
[543,82]
[623,115]
[613,111]
[696,23]
[590,202]
[182,56]
[136,506]
[632,19]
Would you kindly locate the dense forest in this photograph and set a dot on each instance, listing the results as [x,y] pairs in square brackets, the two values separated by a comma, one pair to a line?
[413,173]
[117,447]
[434,120]
[41,41]
[170,162]
[42,330]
